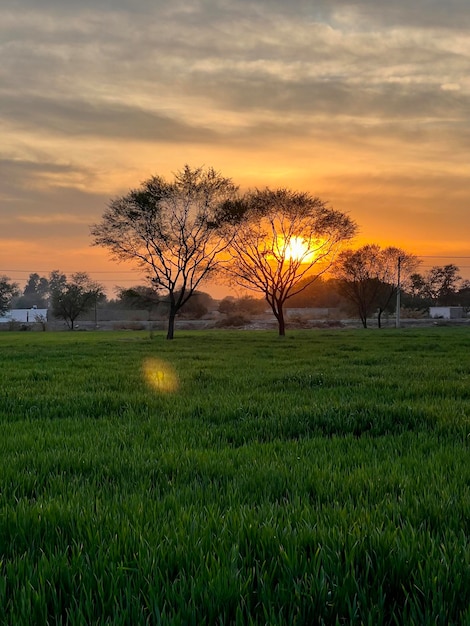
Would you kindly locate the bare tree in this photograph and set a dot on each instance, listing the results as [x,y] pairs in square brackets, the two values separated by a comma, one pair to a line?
[169,229]
[356,281]
[284,240]
[368,277]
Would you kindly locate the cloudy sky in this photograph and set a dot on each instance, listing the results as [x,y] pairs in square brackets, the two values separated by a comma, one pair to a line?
[365,104]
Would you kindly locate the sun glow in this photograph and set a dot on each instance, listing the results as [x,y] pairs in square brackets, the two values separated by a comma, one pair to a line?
[297,249]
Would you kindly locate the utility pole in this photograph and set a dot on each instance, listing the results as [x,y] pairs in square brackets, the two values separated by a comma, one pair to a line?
[397,315]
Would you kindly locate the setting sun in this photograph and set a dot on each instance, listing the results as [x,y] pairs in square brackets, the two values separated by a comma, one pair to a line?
[297,249]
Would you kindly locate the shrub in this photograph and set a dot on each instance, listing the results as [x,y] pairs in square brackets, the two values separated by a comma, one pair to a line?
[233,321]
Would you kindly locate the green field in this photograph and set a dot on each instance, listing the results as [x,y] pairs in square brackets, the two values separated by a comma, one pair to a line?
[241,479]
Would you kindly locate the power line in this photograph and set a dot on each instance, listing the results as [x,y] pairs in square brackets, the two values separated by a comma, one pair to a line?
[69,272]
[125,277]
[437,256]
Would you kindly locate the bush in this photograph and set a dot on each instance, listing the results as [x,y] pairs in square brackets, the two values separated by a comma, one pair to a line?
[233,321]
[129,326]
[413,313]
[246,304]
[299,321]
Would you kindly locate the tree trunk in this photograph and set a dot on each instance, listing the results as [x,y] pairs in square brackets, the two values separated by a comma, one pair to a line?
[379,318]
[276,308]
[171,324]
[279,313]
[172,315]
[282,324]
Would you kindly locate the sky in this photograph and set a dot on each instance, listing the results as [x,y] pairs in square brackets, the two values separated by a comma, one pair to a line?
[365,104]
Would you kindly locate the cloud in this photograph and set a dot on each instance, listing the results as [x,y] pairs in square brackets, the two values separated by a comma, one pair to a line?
[52,218]
[429,13]
[169,73]
[33,207]
[23,179]
[98,119]
[400,11]
[94,95]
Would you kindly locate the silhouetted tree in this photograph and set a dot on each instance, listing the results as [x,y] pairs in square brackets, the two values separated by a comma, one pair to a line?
[170,230]
[57,281]
[71,299]
[140,297]
[283,242]
[197,306]
[368,277]
[35,292]
[441,284]
[355,274]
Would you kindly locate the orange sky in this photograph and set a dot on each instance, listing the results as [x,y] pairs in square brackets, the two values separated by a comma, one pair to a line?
[365,104]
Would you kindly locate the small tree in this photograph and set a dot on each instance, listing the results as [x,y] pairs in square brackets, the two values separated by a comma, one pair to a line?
[197,306]
[368,277]
[170,229]
[140,297]
[8,291]
[71,299]
[356,281]
[284,240]
[441,284]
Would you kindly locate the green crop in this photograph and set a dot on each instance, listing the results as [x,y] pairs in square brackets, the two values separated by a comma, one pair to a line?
[233,477]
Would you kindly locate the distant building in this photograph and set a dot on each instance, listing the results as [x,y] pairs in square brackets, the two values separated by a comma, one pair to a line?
[24,316]
[446,312]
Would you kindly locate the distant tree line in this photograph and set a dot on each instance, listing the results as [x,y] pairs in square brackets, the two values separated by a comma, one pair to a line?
[67,299]
[368,297]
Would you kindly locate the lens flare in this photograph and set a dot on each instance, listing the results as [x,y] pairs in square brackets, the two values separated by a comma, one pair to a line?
[160,375]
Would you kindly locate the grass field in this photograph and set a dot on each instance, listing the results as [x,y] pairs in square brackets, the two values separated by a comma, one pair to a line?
[235,478]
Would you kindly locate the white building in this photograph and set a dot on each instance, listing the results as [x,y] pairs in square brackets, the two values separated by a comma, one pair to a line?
[24,316]
[446,312]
